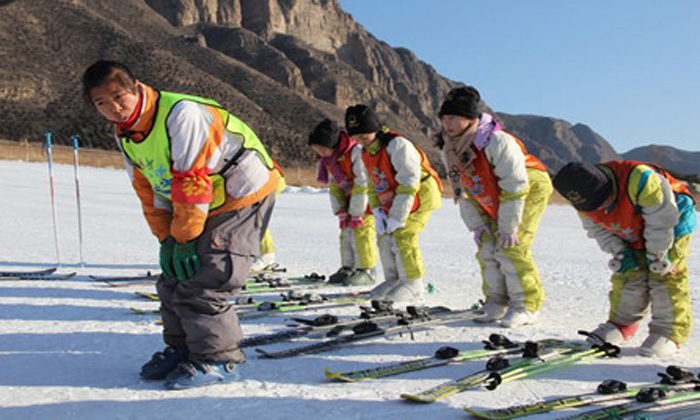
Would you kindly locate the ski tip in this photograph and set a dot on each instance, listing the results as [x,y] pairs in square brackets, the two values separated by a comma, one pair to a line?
[478,414]
[336,376]
[417,398]
[262,354]
[144,311]
[330,375]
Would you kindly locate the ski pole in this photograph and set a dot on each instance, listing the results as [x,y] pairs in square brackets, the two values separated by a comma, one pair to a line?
[53,198]
[76,165]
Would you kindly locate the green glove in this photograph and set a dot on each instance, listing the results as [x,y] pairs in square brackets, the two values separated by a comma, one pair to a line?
[166,256]
[185,260]
[624,261]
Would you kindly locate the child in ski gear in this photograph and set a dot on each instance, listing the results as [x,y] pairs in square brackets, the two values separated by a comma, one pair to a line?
[267,254]
[341,158]
[268,251]
[206,186]
[502,192]
[404,191]
[643,217]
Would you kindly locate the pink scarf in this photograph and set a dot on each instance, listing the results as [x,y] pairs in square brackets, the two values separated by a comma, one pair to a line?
[331,165]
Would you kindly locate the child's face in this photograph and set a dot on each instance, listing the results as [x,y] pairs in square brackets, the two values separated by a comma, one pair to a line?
[454,125]
[322,151]
[365,139]
[114,101]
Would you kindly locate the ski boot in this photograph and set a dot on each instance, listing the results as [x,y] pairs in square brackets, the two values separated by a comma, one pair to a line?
[361,277]
[518,317]
[379,292]
[163,362]
[407,291]
[341,275]
[656,345]
[612,333]
[492,312]
[195,373]
[260,264]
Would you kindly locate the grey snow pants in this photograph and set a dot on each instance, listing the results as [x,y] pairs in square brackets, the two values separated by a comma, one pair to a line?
[197,312]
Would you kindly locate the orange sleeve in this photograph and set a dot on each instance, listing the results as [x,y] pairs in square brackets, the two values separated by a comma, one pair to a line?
[158,219]
[191,189]
[190,222]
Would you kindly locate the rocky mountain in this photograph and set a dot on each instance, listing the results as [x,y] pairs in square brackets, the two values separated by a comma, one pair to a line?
[556,141]
[680,162]
[281,65]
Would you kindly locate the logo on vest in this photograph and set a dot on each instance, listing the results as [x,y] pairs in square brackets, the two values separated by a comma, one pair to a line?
[158,176]
[381,184]
[627,234]
[473,183]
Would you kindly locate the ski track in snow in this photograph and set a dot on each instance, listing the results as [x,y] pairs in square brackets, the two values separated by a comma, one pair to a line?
[72,349]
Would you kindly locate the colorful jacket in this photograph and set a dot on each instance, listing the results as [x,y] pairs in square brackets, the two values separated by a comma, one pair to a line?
[496,184]
[355,199]
[651,208]
[189,159]
[402,179]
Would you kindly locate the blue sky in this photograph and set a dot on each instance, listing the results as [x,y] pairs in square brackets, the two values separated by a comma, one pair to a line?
[630,69]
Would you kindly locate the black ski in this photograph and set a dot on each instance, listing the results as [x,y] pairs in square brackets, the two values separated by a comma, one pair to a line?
[37,273]
[418,318]
[327,325]
[48,274]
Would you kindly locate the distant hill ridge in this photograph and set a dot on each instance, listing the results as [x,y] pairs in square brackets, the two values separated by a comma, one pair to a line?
[281,65]
[679,161]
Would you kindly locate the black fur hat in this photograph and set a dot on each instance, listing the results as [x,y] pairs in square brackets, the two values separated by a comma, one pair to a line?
[462,101]
[360,119]
[585,185]
[326,134]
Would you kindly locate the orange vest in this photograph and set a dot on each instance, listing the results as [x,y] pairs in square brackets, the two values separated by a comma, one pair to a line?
[623,218]
[481,184]
[345,162]
[383,175]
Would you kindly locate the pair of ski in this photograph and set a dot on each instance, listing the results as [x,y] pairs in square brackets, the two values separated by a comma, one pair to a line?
[289,296]
[675,382]
[260,278]
[46,274]
[414,319]
[496,345]
[681,396]
[265,278]
[538,357]
[249,309]
[280,285]
[256,314]
[327,325]
[270,308]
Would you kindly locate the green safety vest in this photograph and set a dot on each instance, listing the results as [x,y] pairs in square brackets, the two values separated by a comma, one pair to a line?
[152,155]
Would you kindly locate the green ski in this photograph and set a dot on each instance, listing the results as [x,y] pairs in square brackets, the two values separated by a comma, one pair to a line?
[497,345]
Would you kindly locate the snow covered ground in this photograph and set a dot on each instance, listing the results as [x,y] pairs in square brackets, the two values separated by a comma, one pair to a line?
[72,349]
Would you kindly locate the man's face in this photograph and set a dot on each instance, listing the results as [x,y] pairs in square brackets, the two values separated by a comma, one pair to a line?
[114,101]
